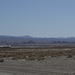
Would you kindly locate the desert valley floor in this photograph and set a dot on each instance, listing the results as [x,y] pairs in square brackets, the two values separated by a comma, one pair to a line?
[59,62]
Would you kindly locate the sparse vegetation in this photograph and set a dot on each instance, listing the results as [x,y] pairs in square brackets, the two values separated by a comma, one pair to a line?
[37,53]
[70,56]
[1,60]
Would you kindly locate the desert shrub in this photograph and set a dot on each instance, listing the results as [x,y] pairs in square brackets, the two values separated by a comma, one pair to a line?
[40,58]
[69,56]
[1,60]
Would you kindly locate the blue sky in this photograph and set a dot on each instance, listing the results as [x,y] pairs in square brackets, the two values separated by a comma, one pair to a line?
[40,18]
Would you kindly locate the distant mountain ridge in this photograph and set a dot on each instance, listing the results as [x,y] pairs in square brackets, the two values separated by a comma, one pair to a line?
[27,38]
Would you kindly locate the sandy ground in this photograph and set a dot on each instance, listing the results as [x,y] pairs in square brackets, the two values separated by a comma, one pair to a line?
[50,66]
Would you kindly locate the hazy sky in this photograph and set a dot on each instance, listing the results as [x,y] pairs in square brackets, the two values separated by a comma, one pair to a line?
[42,18]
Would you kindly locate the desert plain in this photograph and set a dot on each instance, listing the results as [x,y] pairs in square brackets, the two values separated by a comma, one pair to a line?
[37,60]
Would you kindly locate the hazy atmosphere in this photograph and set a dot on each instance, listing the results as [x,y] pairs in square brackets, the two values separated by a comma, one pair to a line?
[40,18]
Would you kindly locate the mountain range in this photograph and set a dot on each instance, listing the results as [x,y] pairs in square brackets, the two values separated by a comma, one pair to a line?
[30,39]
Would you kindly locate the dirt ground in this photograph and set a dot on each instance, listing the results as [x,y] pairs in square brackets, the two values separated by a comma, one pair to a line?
[50,66]
[37,61]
